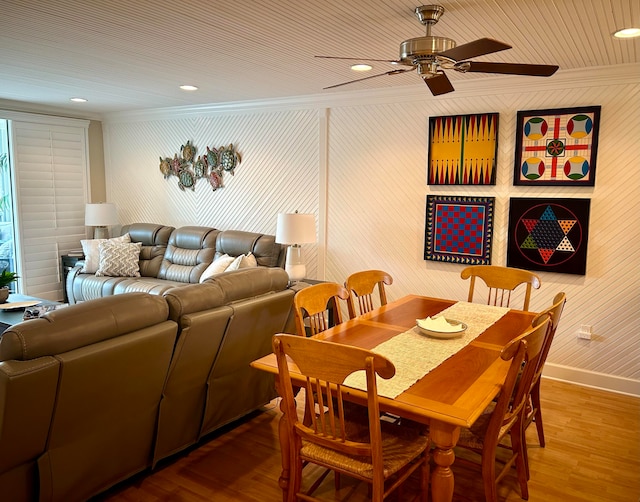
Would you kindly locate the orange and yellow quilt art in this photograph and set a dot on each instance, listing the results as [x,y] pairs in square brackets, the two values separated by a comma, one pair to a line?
[463,149]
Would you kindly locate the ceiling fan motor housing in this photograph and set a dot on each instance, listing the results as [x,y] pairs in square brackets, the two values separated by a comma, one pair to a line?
[420,48]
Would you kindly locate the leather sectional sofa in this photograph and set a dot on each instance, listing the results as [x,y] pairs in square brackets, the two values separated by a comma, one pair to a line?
[94,393]
[171,257]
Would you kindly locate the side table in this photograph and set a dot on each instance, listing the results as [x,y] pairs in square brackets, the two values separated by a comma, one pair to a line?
[10,315]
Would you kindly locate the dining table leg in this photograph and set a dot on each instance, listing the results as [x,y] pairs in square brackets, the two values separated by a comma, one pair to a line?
[283,433]
[444,437]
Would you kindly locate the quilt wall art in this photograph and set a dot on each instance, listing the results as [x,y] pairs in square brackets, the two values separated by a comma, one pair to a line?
[463,149]
[459,229]
[557,147]
[548,234]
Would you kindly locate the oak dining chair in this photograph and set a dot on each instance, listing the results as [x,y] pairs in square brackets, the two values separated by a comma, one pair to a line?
[505,417]
[501,282]
[320,304]
[363,447]
[361,285]
[534,410]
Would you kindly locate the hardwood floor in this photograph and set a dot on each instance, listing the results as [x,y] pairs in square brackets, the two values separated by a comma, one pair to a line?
[592,454]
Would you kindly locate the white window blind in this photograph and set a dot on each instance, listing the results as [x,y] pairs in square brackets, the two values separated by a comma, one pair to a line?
[50,179]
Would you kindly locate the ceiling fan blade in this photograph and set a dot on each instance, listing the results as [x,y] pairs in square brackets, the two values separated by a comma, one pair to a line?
[392,61]
[440,84]
[473,49]
[392,72]
[536,70]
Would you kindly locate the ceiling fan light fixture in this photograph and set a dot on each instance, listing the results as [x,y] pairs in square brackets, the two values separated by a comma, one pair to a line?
[188,87]
[427,69]
[78,100]
[627,33]
[361,67]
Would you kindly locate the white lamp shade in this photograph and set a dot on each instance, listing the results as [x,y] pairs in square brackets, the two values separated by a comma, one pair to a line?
[100,215]
[295,228]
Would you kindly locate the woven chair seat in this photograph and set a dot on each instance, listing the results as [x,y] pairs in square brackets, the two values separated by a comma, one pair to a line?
[399,445]
[473,438]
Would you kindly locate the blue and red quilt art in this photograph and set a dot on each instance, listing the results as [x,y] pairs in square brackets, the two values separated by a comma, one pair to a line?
[548,234]
[557,147]
[459,229]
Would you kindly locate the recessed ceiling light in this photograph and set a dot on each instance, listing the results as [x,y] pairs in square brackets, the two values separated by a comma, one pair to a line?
[361,67]
[627,33]
[78,100]
[188,88]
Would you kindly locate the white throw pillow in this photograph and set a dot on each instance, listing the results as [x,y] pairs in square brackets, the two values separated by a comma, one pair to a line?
[218,266]
[235,264]
[92,253]
[119,259]
[248,261]
[243,261]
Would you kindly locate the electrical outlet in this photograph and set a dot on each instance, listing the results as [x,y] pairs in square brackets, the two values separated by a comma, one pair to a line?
[585,332]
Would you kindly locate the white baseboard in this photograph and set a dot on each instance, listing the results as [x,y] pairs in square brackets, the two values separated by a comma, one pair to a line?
[593,379]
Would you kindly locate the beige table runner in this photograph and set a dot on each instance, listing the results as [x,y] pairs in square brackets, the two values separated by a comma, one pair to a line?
[415,354]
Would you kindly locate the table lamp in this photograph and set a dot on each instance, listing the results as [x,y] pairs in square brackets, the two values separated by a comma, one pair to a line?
[294,229]
[100,216]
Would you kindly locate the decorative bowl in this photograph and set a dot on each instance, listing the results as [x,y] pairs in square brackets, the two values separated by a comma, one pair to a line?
[439,327]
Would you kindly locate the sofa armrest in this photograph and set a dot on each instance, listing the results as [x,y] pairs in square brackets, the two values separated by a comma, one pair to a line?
[71,277]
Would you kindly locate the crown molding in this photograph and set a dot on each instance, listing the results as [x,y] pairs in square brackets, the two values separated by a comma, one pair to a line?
[476,86]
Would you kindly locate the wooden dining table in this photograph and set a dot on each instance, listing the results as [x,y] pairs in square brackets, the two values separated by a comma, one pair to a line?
[449,396]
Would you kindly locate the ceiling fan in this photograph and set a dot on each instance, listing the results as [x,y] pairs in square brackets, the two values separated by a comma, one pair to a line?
[430,54]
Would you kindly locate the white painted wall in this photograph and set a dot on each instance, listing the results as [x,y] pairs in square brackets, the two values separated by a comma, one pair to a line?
[358,161]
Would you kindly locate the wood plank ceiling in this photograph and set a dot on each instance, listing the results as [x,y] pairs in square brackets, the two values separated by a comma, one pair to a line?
[124,55]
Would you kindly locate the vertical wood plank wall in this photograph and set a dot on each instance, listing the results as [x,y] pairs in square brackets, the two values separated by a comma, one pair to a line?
[375,187]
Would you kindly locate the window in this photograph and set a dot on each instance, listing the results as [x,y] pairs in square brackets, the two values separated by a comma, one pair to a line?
[7,248]
[48,168]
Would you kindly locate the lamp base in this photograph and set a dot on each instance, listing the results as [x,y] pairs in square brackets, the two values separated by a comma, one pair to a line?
[100,233]
[294,265]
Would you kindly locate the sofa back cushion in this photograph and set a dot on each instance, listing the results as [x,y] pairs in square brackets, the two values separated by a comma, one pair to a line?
[81,325]
[264,247]
[189,252]
[191,298]
[225,289]
[154,239]
[250,282]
